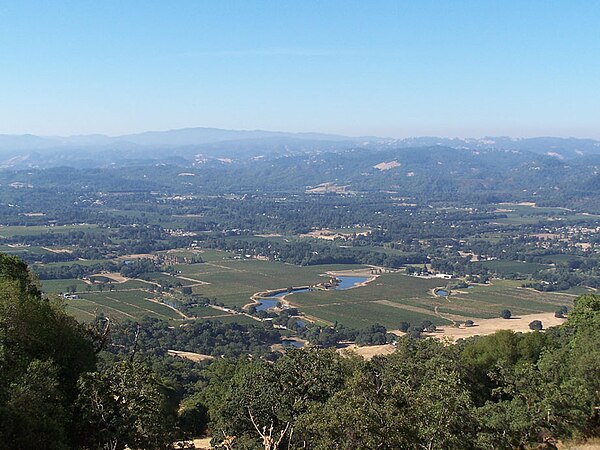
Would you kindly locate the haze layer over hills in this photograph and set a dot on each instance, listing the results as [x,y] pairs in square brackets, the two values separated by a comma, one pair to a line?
[191,144]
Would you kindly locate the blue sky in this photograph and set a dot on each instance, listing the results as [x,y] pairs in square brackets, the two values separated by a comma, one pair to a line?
[388,68]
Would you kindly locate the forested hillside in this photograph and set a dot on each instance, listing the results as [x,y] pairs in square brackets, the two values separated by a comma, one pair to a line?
[433,173]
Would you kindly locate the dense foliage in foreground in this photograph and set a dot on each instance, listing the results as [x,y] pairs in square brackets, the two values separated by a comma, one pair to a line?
[506,390]
[60,390]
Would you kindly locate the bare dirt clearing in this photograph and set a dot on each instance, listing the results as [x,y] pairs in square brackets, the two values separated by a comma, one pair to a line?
[114,276]
[137,256]
[196,357]
[58,250]
[328,188]
[387,165]
[483,327]
[368,351]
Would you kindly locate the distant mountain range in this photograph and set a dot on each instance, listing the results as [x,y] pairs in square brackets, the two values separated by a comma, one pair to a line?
[169,138]
[191,145]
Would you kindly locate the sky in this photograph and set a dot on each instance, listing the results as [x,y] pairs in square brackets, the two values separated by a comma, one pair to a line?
[387,68]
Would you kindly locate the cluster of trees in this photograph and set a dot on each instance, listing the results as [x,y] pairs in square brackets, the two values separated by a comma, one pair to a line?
[135,269]
[324,336]
[564,278]
[312,253]
[64,272]
[52,394]
[502,391]
[154,337]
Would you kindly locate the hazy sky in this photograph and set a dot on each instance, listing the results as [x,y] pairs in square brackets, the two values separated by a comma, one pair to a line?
[397,68]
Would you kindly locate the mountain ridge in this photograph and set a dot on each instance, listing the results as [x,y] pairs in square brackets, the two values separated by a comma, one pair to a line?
[191,144]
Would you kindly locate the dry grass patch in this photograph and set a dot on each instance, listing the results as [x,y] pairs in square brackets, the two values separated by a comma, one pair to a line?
[368,351]
[484,327]
[196,357]
[387,165]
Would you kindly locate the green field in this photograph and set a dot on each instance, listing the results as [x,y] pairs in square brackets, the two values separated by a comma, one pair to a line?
[7,232]
[119,305]
[395,297]
[504,267]
[81,262]
[487,301]
[520,214]
[17,249]
[390,299]
[233,282]
[206,312]
[56,286]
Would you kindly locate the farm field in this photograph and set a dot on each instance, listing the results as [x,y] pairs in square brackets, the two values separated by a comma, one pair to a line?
[486,301]
[81,262]
[390,299]
[21,249]
[206,312]
[233,282]
[520,214]
[120,305]
[36,230]
[57,286]
[504,267]
[395,297]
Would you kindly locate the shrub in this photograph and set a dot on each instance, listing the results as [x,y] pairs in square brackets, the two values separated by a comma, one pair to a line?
[536,325]
[404,326]
[506,314]
[426,324]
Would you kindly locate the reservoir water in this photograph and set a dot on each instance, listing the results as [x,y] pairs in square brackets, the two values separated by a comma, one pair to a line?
[349,282]
[271,301]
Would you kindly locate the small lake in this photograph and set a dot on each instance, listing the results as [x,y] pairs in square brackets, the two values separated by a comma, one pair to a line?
[349,282]
[265,303]
[271,301]
[442,293]
[292,343]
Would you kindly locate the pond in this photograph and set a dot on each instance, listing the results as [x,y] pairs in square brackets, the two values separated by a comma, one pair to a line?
[265,303]
[292,343]
[442,293]
[270,301]
[349,282]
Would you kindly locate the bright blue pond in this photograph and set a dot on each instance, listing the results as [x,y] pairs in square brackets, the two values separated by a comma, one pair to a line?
[345,283]
[265,303]
[349,282]
[442,293]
